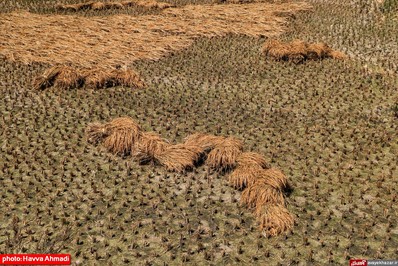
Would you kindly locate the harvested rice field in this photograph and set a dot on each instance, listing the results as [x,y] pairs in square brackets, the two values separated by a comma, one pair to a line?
[199,132]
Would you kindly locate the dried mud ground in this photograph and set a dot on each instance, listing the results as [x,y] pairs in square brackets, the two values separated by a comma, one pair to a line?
[330,126]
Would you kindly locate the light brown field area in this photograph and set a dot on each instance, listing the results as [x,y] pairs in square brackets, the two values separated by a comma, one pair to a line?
[330,126]
[121,39]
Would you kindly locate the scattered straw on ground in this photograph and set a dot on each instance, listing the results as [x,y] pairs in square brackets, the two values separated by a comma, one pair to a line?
[121,39]
[299,51]
[65,77]
[275,219]
[112,5]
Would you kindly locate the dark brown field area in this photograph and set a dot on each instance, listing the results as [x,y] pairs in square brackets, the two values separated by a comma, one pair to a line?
[326,119]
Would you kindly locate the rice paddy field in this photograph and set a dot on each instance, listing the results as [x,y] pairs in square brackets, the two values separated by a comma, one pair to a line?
[331,126]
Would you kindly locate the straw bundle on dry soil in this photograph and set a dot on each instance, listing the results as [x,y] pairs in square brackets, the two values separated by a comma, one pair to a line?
[275,219]
[124,132]
[244,176]
[224,155]
[96,133]
[204,141]
[65,77]
[179,157]
[253,159]
[260,194]
[97,78]
[121,39]
[274,177]
[150,147]
[62,76]
[299,51]
[112,5]
[250,166]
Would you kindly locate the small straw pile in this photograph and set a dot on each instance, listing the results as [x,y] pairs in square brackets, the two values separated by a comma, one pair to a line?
[263,187]
[298,51]
[112,5]
[66,77]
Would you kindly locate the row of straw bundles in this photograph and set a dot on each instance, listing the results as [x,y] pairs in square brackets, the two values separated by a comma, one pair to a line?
[66,77]
[263,192]
[262,186]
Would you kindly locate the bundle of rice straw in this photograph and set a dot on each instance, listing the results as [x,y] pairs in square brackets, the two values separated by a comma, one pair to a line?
[179,157]
[49,78]
[150,147]
[224,155]
[298,51]
[97,78]
[261,193]
[275,178]
[275,219]
[66,77]
[124,132]
[250,167]
[204,141]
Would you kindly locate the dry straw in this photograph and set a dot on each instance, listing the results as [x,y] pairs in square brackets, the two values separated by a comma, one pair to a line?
[150,147]
[179,157]
[259,194]
[112,5]
[204,141]
[263,185]
[121,39]
[299,51]
[98,78]
[61,75]
[124,132]
[274,177]
[65,77]
[224,155]
[250,167]
[275,219]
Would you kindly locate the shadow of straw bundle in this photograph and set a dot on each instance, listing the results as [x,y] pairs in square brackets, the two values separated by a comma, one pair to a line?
[225,154]
[124,132]
[275,219]
[250,166]
[65,77]
[179,157]
[112,5]
[298,51]
[150,147]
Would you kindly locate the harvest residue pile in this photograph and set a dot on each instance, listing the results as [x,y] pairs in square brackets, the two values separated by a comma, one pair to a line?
[263,187]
